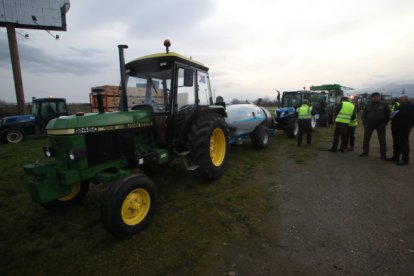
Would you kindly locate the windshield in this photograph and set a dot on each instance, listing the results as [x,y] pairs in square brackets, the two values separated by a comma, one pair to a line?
[35,108]
[150,88]
[291,100]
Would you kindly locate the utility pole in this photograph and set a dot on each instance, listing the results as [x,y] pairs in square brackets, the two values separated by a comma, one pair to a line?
[17,74]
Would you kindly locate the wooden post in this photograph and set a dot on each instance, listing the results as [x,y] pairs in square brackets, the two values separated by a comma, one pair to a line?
[17,74]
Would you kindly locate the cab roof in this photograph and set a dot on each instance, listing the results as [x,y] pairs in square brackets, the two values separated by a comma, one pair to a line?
[160,57]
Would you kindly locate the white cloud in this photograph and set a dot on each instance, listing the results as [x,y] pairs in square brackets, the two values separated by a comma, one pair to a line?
[251,47]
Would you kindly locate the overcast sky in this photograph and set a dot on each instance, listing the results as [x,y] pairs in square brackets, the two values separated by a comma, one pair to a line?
[252,48]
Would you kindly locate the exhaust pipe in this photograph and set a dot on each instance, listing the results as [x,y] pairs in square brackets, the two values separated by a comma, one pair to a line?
[124,96]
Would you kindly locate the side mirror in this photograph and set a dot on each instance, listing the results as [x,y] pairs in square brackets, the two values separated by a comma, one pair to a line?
[188,77]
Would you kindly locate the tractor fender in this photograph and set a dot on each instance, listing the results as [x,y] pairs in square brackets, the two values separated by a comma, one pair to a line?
[191,118]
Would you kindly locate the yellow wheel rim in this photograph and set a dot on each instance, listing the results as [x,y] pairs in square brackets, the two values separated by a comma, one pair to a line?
[75,190]
[135,206]
[217,147]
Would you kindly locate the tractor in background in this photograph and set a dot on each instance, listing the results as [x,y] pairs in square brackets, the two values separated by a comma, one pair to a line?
[176,118]
[285,114]
[330,97]
[13,129]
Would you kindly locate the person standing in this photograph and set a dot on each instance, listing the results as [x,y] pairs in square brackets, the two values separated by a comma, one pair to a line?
[395,104]
[305,122]
[402,120]
[375,117]
[352,127]
[345,113]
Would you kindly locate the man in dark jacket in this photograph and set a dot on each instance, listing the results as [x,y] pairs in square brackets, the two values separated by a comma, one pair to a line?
[402,120]
[375,117]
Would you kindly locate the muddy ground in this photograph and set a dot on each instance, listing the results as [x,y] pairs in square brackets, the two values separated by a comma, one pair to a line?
[332,214]
[280,211]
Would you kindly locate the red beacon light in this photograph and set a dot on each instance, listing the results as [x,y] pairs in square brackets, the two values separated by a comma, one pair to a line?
[167,44]
[79,113]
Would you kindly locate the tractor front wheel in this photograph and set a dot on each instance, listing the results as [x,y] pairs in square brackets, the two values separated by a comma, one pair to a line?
[323,120]
[292,127]
[78,192]
[129,205]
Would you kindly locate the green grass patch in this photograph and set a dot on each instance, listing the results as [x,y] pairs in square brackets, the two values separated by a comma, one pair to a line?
[192,216]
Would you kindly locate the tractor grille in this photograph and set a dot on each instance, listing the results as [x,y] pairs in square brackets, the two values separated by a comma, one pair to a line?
[110,146]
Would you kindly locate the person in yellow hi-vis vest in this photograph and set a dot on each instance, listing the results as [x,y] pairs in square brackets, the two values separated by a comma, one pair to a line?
[304,113]
[352,127]
[345,113]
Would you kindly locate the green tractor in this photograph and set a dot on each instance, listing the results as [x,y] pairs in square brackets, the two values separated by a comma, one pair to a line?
[329,97]
[176,117]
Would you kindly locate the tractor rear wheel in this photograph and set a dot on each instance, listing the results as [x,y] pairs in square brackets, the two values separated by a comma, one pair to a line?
[260,137]
[78,192]
[208,143]
[292,127]
[129,205]
[13,136]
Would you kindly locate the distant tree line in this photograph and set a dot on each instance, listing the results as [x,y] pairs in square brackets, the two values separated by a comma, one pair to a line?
[266,101]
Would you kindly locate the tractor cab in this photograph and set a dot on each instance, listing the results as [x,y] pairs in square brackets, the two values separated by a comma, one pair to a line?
[46,109]
[295,98]
[176,88]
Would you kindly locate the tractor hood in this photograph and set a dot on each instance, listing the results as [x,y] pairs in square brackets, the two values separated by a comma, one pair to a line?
[92,122]
[284,112]
[9,120]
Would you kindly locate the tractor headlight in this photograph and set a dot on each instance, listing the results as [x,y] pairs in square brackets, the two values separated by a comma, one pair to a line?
[71,155]
[76,154]
[48,152]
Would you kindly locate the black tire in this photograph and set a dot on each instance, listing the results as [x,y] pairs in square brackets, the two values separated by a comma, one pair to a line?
[260,137]
[78,193]
[323,120]
[13,136]
[208,143]
[129,205]
[292,127]
[313,123]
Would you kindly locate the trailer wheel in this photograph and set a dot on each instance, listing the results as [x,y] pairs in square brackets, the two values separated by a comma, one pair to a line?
[129,205]
[208,143]
[292,127]
[78,192]
[260,137]
[13,136]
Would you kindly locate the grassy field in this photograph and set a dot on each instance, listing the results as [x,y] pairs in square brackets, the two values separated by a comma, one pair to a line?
[192,220]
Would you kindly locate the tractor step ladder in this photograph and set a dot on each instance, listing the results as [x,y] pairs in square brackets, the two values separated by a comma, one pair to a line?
[190,167]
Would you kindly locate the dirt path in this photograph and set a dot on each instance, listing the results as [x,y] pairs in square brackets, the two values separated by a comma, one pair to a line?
[333,214]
